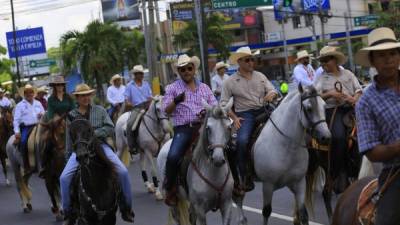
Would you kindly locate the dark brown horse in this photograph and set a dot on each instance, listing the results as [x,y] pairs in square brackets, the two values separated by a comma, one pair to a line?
[52,148]
[346,208]
[6,130]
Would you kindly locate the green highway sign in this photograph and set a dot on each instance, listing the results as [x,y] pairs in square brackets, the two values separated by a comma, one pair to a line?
[365,20]
[225,4]
[41,63]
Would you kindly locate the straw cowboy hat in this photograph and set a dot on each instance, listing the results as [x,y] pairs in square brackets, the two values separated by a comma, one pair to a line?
[302,54]
[240,53]
[115,77]
[220,65]
[22,90]
[332,51]
[58,79]
[379,39]
[137,69]
[83,89]
[42,89]
[184,60]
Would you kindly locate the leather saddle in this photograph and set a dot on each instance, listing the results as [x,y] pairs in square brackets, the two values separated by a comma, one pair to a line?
[366,206]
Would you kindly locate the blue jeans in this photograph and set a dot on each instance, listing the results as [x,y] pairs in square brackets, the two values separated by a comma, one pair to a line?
[72,166]
[112,109]
[183,136]
[243,138]
[24,137]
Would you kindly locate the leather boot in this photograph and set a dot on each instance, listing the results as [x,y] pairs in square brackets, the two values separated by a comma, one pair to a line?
[171,199]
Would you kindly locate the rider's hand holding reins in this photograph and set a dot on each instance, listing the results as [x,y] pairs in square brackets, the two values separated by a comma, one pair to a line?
[270,96]
[17,138]
[180,98]
[237,122]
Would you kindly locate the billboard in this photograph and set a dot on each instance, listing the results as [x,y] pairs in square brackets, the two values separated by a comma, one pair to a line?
[236,18]
[316,5]
[285,8]
[28,42]
[121,11]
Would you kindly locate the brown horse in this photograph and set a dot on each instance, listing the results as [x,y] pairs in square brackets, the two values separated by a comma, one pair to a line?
[346,208]
[52,150]
[6,130]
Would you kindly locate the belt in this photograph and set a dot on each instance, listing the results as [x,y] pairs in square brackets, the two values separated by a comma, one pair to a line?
[194,124]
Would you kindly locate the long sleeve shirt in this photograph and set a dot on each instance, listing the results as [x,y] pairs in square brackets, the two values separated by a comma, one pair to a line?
[99,119]
[217,81]
[304,74]
[5,102]
[116,95]
[135,94]
[55,106]
[27,114]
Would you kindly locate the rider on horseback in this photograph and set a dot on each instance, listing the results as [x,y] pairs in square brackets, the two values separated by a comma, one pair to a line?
[137,94]
[249,89]
[340,89]
[378,120]
[4,101]
[183,100]
[103,128]
[115,94]
[26,116]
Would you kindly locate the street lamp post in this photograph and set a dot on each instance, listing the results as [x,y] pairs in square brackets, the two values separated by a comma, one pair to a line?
[15,43]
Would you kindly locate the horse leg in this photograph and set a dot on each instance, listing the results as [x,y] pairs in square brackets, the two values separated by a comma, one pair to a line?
[4,165]
[226,212]
[52,189]
[200,215]
[267,200]
[239,204]
[147,184]
[327,195]
[154,175]
[299,191]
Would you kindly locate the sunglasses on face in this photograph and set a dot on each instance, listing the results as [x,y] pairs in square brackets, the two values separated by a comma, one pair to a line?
[325,60]
[183,69]
[247,60]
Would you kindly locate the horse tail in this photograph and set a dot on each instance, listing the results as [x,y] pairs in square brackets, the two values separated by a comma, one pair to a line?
[367,168]
[183,212]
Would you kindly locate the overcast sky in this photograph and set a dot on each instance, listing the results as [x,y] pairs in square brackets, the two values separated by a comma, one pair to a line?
[55,16]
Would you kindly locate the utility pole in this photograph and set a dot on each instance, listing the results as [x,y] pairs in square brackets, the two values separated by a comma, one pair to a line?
[200,19]
[349,13]
[285,48]
[323,20]
[146,34]
[152,41]
[348,41]
[15,43]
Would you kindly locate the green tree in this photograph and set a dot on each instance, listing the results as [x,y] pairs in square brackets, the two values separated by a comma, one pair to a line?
[54,53]
[217,36]
[98,50]
[390,18]
[5,66]
[134,48]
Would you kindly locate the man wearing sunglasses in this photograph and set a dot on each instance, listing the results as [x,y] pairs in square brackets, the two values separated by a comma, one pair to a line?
[250,90]
[184,101]
[303,73]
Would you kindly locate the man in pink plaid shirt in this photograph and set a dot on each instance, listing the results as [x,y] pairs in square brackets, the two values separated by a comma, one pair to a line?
[183,100]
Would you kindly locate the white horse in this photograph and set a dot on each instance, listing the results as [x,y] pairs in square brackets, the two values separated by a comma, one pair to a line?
[208,178]
[280,155]
[154,131]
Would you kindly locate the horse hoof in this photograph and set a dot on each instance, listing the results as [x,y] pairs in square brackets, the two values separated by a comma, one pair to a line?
[29,206]
[26,210]
[159,196]
[150,188]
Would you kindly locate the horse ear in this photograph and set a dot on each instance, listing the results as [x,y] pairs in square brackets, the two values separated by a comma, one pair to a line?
[228,106]
[301,88]
[206,105]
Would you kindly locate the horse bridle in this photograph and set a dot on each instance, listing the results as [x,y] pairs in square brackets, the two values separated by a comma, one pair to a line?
[211,147]
[158,118]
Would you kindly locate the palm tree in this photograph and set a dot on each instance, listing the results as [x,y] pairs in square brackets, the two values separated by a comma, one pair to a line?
[134,49]
[217,36]
[98,50]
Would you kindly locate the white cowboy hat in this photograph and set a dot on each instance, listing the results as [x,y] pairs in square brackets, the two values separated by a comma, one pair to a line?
[379,39]
[42,89]
[22,90]
[240,53]
[58,79]
[115,77]
[220,65]
[137,69]
[83,89]
[302,54]
[332,51]
[184,59]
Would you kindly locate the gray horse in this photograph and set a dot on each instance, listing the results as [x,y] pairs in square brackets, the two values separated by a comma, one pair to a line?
[209,179]
[154,131]
[280,155]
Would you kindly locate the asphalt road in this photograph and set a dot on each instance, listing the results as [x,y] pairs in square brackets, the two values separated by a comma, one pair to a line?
[148,211]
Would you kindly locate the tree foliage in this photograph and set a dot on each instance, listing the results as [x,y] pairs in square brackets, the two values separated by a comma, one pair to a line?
[100,51]
[390,18]
[216,35]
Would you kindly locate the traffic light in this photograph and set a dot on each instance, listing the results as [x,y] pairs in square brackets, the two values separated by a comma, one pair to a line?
[287,3]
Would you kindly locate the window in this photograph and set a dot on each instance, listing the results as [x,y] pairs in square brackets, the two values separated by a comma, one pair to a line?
[296,22]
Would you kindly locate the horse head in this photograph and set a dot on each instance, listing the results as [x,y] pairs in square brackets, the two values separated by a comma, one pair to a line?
[6,114]
[159,114]
[54,131]
[313,114]
[216,129]
[83,140]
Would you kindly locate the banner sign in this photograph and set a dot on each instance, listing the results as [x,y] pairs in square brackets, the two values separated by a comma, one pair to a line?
[29,42]
[183,12]
[316,5]
[120,10]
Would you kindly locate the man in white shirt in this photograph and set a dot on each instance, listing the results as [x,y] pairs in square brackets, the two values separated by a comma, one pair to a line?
[303,73]
[27,114]
[219,77]
[4,101]
[115,94]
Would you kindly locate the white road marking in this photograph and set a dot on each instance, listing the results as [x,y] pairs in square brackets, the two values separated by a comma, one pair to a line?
[275,215]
